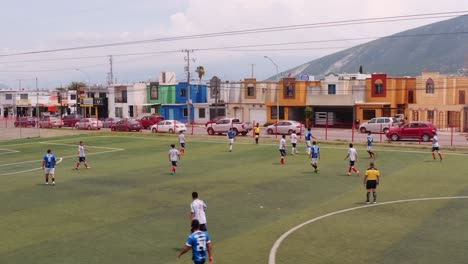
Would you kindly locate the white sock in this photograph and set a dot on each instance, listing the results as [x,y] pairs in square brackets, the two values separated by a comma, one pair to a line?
[230,147]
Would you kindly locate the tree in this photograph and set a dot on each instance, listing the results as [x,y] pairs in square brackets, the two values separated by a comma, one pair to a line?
[201,72]
[75,85]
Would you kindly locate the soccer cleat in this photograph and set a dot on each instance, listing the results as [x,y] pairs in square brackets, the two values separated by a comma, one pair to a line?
[358,173]
[88,167]
[46,183]
[347,174]
[53,183]
[367,202]
[374,202]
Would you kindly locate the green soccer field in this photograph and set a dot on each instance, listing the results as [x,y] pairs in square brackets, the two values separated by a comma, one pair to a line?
[128,208]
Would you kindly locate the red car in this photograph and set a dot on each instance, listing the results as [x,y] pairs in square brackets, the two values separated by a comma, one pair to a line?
[147,121]
[413,130]
[70,120]
[25,122]
[126,125]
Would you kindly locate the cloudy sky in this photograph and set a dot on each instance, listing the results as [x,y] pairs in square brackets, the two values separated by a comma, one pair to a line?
[29,25]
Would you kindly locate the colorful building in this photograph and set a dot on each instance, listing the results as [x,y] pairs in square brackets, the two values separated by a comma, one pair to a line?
[441,100]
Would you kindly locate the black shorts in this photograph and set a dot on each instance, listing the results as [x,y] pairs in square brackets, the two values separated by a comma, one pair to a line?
[81,159]
[294,145]
[174,163]
[351,163]
[435,149]
[283,152]
[371,184]
[182,145]
[202,228]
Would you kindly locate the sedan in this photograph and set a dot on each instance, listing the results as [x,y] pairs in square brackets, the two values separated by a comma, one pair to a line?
[127,125]
[88,123]
[108,122]
[286,127]
[50,122]
[25,122]
[169,126]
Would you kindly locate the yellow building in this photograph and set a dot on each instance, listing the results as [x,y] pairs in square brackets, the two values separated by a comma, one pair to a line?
[292,96]
[386,97]
[441,100]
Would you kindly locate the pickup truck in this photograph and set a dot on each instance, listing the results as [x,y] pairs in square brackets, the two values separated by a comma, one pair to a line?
[223,125]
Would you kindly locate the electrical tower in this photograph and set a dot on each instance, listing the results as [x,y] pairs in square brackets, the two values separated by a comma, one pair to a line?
[187,69]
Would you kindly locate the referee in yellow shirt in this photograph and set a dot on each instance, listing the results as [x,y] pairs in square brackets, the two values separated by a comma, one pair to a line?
[371,180]
[257,133]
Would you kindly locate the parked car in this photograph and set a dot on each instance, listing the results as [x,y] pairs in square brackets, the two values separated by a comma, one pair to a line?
[214,120]
[377,125]
[70,120]
[25,122]
[147,121]
[286,127]
[127,125]
[413,130]
[50,122]
[223,126]
[88,123]
[108,122]
[169,126]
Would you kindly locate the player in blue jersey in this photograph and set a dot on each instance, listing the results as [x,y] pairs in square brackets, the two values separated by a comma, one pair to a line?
[314,155]
[308,138]
[48,164]
[370,142]
[200,244]
[231,135]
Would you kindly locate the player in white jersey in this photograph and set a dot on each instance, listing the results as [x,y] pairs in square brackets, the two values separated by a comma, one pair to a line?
[197,211]
[282,148]
[82,156]
[174,157]
[293,142]
[353,158]
[435,146]
[182,142]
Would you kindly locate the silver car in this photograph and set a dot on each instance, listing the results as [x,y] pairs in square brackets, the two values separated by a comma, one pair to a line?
[50,122]
[377,125]
[88,123]
[286,127]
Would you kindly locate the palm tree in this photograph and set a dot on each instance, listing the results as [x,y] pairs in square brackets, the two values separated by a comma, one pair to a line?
[201,71]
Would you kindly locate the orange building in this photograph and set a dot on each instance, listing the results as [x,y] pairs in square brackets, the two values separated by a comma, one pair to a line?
[441,100]
[386,97]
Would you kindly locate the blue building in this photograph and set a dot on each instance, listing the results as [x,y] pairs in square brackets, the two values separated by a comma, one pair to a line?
[178,110]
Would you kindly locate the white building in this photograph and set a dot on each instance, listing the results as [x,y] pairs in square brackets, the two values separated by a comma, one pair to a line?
[127,100]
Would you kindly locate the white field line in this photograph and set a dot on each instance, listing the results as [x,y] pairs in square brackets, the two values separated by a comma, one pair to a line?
[274,144]
[76,145]
[276,245]
[8,151]
[18,172]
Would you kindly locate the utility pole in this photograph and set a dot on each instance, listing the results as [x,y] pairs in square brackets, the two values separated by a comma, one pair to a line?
[37,101]
[187,69]
[111,72]
[253,66]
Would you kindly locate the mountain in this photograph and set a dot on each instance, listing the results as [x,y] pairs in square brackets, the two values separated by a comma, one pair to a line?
[440,47]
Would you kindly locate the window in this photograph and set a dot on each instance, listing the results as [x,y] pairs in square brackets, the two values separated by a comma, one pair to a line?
[8,97]
[368,114]
[461,97]
[119,112]
[411,97]
[415,116]
[289,91]
[332,89]
[154,91]
[274,112]
[185,114]
[379,88]
[124,96]
[24,96]
[430,86]
[72,96]
[201,112]
[250,90]
[430,116]
[183,92]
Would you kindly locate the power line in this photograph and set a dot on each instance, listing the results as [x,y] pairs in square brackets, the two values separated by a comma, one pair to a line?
[256,31]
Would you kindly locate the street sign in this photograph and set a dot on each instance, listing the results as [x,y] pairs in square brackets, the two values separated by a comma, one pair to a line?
[304,77]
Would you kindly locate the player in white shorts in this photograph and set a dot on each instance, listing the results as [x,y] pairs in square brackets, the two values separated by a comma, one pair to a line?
[48,165]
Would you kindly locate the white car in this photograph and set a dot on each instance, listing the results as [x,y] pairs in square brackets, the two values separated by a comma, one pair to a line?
[88,123]
[377,125]
[286,127]
[168,126]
